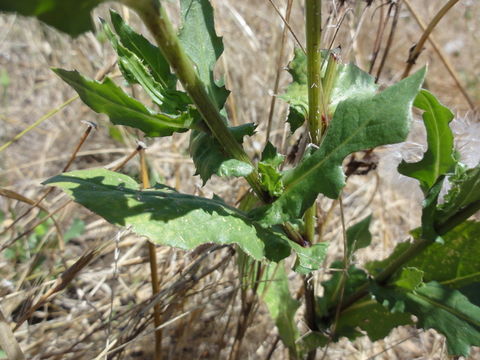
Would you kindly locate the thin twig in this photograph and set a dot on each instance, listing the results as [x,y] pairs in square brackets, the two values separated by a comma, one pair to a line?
[418,48]
[442,56]
[152,255]
[279,71]
[397,5]
[285,21]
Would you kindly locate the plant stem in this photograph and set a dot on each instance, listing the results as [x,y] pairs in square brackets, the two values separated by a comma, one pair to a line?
[152,256]
[418,48]
[316,111]
[156,19]
[316,107]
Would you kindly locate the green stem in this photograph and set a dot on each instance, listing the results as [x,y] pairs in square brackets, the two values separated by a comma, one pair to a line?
[156,19]
[316,107]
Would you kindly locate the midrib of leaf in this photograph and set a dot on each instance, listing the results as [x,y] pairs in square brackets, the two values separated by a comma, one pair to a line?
[164,119]
[443,307]
[437,140]
[461,278]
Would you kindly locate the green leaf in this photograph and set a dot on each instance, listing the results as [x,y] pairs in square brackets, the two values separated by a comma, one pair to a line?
[271,157]
[107,98]
[295,118]
[358,235]
[409,278]
[270,177]
[142,63]
[454,263]
[280,303]
[137,70]
[438,159]
[373,318]
[209,158]
[366,314]
[350,82]
[167,217]
[465,191]
[69,16]
[202,44]
[149,54]
[436,307]
[358,124]
[309,258]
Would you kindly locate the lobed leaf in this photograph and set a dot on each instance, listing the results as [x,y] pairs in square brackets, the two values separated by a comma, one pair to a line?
[358,124]
[436,307]
[350,82]
[438,159]
[107,98]
[202,44]
[149,54]
[167,217]
[464,191]
[136,66]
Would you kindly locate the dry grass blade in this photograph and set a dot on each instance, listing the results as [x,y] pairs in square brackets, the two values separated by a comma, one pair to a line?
[418,48]
[442,56]
[8,342]
[65,278]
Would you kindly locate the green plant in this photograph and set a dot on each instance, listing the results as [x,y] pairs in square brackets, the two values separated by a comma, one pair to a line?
[345,113]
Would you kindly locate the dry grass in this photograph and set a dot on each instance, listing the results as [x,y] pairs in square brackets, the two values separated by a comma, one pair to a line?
[107,306]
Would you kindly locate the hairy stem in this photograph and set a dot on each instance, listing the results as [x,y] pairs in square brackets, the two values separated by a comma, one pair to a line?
[316,111]
[316,107]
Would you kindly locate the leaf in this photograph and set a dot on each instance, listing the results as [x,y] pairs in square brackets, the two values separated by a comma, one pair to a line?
[149,54]
[437,307]
[270,177]
[309,258]
[144,62]
[465,191]
[350,82]
[209,158]
[410,278]
[358,124]
[159,84]
[454,263]
[280,303]
[438,159]
[167,217]
[107,98]
[66,15]
[202,44]
[358,235]
[366,314]
[373,318]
